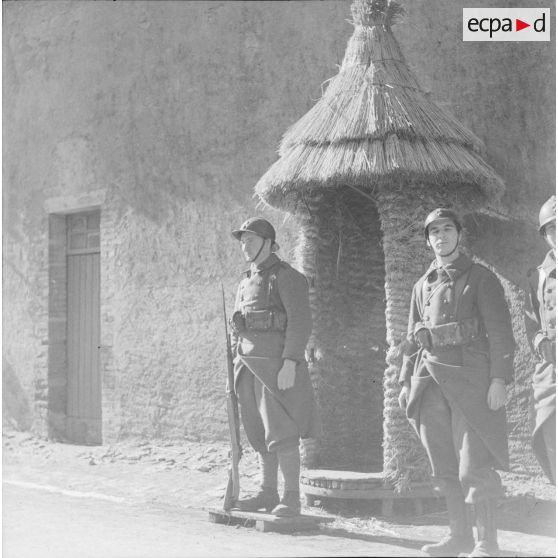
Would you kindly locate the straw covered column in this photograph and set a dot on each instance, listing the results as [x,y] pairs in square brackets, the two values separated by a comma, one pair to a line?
[361,169]
[405,261]
[402,211]
[339,250]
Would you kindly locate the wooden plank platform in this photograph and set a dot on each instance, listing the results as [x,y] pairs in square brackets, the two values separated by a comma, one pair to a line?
[266,522]
[352,485]
[344,480]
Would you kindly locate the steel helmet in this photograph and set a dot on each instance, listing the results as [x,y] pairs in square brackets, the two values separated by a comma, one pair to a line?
[259,226]
[547,213]
[442,213]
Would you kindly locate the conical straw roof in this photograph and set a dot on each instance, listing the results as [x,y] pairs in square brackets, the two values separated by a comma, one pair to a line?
[375,127]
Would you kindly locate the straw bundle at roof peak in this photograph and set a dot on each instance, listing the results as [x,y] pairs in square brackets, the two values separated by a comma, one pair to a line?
[375,12]
[375,127]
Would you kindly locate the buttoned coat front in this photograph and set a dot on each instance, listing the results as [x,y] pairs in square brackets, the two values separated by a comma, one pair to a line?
[276,415]
[455,292]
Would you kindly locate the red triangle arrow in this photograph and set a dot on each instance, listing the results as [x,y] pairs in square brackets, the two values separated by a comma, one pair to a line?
[519,25]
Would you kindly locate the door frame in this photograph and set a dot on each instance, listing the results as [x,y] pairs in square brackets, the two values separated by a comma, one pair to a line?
[57,362]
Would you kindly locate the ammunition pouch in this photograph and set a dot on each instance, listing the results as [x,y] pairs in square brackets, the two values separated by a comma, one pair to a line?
[454,334]
[422,336]
[237,322]
[271,319]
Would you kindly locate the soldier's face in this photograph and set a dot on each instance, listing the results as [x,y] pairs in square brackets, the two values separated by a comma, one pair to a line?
[251,244]
[550,235]
[443,237]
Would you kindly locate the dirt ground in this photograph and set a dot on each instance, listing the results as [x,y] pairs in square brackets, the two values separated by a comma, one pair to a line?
[192,476]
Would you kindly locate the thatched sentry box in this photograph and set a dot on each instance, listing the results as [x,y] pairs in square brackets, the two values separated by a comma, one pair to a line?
[360,171]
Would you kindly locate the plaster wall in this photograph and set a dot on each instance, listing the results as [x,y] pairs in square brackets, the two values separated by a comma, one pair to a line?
[503,91]
[173,110]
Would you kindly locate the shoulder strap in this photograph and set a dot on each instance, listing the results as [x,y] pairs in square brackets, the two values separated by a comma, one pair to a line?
[460,284]
[418,294]
[540,292]
[272,282]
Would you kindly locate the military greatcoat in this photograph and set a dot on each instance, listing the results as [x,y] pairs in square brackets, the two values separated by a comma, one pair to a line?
[462,307]
[273,322]
[541,328]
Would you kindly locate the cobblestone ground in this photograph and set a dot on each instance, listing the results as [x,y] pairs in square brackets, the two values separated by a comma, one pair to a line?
[190,477]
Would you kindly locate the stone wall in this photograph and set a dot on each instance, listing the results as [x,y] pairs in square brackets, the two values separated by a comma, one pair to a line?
[166,114]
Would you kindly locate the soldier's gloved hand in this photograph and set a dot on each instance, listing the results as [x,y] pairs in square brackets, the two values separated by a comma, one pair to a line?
[496,394]
[423,338]
[286,376]
[546,350]
[404,396]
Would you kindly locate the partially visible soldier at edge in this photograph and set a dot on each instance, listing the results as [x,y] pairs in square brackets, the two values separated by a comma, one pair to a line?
[458,358]
[541,329]
[271,326]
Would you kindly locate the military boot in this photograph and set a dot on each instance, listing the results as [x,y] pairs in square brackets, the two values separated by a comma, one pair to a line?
[460,538]
[267,498]
[487,538]
[289,505]
[289,463]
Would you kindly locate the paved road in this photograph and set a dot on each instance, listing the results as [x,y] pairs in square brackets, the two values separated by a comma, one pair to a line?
[44,522]
[66,501]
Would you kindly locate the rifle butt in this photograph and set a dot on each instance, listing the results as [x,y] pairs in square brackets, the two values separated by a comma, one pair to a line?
[229,500]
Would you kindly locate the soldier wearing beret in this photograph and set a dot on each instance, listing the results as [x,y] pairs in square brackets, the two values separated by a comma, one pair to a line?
[458,358]
[271,326]
[541,328]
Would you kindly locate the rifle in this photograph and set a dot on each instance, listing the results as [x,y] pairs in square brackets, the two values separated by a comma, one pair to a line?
[233,485]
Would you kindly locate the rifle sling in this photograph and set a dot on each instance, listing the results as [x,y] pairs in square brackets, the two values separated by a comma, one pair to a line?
[275,395]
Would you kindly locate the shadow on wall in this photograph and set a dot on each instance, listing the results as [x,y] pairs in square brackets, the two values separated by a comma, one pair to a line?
[15,406]
[510,245]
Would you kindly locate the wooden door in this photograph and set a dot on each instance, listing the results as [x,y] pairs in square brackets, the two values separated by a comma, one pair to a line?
[83,329]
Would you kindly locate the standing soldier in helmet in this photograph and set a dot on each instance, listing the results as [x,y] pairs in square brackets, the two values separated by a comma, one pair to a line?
[541,328]
[458,359]
[272,323]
